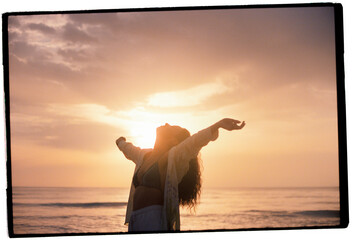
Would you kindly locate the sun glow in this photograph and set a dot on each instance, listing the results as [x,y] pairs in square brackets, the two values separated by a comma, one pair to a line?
[143,134]
[142,125]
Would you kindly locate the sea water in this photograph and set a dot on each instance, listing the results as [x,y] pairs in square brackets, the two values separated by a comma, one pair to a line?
[100,210]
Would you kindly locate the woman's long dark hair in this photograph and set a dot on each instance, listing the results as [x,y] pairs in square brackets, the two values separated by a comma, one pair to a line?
[189,188]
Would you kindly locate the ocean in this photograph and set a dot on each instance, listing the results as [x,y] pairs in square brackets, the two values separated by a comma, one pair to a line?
[41,210]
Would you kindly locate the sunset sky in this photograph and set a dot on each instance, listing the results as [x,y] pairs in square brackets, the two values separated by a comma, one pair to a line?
[79,81]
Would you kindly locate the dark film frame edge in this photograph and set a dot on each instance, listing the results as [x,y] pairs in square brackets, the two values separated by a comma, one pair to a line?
[340,78]
[341,108]
[5,62]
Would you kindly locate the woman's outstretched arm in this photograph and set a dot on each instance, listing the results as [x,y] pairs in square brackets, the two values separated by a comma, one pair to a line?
[130,151]
[189,148]
[192,145]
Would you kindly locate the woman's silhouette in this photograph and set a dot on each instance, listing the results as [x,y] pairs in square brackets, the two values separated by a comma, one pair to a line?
[167,175]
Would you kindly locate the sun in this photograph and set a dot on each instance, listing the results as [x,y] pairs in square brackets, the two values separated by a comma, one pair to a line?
[143,134]
[142,125]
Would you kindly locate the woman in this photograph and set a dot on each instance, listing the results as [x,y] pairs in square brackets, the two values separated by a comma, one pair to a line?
[167,175]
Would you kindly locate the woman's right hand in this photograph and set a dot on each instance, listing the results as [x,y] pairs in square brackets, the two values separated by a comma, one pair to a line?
[119,139]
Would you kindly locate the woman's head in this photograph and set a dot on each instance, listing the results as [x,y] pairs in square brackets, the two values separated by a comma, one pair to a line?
[170,135]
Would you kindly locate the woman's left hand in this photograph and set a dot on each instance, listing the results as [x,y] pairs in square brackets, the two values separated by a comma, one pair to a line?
[231,124]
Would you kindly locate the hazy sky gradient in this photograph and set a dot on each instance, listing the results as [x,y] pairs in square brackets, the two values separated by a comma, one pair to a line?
[79,81]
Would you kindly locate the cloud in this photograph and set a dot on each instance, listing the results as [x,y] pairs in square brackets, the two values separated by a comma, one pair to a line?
[41,28]
[110,20]
[73,34]
[172,51]
[118,60]
[13,21]
[188,97]
[74,55]
[86,136]
[29,53]
[84,112]
[79,127]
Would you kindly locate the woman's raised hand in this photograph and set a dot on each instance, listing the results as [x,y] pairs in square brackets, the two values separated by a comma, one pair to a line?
[119,139]
[231,124]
